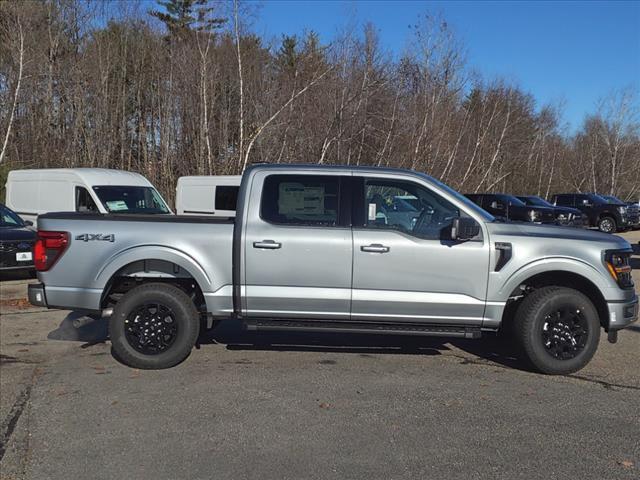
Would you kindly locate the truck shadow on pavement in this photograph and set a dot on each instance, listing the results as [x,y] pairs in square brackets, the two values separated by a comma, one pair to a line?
[79,327]
[490,349]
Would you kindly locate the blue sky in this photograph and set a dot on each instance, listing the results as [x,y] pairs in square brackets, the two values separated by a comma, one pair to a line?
[574,52]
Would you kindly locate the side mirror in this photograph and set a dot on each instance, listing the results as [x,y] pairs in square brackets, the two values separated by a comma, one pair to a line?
[28,223]
[464,228]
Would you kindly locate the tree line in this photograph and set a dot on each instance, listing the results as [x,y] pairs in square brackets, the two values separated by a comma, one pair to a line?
[188,88]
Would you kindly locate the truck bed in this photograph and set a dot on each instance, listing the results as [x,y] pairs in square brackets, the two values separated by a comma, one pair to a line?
[103,248]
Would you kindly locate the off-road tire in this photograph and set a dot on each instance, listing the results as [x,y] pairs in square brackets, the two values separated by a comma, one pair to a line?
[187,320]
[532,316]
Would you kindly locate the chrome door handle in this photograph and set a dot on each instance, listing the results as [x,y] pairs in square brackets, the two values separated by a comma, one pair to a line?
[375,248]
[268,244]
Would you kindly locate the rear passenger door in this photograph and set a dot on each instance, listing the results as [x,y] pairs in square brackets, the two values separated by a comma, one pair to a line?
[298,246]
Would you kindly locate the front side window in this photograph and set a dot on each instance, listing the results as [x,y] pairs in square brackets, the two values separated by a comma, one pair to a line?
[84,202]
[310,200]
[130,199]
[407,207]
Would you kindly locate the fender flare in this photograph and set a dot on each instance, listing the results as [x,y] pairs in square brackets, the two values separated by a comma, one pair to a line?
[153,252]
[562,264]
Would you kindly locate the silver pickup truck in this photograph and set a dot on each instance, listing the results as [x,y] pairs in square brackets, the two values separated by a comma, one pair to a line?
[345,249]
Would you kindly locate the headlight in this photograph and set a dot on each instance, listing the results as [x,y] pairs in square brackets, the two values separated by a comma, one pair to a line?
[534,215]
[617,263]
[622,210]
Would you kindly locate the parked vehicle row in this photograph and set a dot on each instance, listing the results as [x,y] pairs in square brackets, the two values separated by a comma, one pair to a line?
[588,210]
[95,190]
[342,249]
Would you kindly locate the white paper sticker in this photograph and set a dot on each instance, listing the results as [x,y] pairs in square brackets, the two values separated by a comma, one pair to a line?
[23,256]
[372,211]
[117,205]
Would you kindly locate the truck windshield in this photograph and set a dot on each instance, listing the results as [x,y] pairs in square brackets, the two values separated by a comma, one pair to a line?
[613,200]
[9,219]
[130,199]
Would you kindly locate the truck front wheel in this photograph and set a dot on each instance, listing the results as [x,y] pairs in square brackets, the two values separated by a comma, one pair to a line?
[607,225]
[558,328]
[154,326]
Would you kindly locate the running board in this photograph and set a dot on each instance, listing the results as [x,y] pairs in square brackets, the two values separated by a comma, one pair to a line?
[428,330]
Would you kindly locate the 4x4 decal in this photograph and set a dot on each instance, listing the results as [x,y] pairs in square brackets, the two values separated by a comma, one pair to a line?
[87,237]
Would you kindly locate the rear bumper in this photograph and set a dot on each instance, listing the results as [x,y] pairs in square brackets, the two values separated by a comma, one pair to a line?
[17,268]
[36,295]
[67,298]
[622,314]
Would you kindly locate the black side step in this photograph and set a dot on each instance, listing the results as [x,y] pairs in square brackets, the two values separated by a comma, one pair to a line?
[429,330]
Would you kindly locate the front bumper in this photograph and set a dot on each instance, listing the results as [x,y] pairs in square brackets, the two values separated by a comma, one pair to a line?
[36,295]
[622,314]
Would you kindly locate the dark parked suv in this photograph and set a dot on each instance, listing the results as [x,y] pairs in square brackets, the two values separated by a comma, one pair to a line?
[16,241]
[607,217]
[509,207]
[571,217]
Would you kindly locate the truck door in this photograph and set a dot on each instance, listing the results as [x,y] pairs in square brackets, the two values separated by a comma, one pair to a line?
[404,266]
[297,246]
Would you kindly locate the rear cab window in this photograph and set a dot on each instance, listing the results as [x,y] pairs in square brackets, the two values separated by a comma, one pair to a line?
[309,200]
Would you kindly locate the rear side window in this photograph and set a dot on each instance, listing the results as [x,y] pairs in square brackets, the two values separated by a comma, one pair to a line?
[310,200]
[226,197]
[566,200]
[84,202]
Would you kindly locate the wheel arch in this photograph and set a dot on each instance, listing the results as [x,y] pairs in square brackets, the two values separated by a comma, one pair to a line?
[155,264]
[559,278]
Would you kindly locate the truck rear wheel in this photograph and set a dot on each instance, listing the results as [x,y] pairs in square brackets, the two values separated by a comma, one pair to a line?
[558,328]
[154,326]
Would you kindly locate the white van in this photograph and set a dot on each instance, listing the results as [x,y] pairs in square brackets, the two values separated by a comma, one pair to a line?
[208,195]
[33,192]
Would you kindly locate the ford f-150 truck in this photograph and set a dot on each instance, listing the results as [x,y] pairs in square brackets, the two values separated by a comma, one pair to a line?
[327,249]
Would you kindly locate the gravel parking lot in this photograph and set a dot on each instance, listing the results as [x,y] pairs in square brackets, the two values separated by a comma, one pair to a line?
[301,406]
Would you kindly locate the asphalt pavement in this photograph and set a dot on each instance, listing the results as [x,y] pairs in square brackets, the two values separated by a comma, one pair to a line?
[285,406]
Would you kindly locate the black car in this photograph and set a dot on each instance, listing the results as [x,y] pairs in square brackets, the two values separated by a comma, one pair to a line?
[508,207]
[608,217]
[16,241]
[567,216]
[633,210]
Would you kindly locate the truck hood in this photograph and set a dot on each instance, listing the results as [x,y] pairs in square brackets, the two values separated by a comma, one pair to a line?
[549,233]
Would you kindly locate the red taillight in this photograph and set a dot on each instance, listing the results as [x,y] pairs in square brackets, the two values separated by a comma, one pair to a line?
[48,248]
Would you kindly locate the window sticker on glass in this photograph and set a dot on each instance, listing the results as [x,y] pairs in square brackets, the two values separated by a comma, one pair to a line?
[372,211]
[297,198]
[117,205]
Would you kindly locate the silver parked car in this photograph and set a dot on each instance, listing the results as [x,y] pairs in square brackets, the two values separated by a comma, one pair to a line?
[344,249]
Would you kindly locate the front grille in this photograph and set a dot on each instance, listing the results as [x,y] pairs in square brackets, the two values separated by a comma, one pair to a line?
[7,247]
